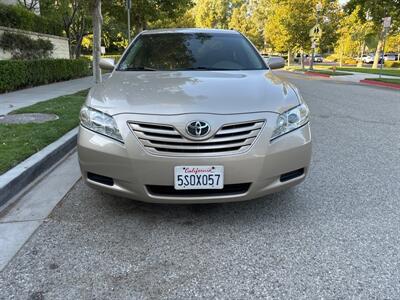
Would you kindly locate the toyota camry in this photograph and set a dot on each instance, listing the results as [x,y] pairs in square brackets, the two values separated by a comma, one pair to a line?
[193,116]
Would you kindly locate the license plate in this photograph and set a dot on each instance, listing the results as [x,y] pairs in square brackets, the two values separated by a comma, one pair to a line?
[199,177]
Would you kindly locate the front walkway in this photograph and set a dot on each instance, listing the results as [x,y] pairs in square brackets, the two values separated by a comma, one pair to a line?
[17,99]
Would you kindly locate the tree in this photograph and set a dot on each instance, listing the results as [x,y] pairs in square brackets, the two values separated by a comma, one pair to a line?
[145,12]
[393,44]
[243,21]
[212,13]
[187,20]
[376,10]
[32,5]
[75,17]
[289,24]
[330,17]
[277,29]
[353,34]
[97,22]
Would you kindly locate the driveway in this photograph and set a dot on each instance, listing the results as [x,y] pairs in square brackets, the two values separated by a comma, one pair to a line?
[335,236]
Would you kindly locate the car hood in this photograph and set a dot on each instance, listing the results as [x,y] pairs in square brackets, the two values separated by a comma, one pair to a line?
[182,92]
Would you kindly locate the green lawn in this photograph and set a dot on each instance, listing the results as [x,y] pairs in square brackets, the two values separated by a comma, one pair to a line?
[19,141]
[388,80]
[390,72]
[320,71]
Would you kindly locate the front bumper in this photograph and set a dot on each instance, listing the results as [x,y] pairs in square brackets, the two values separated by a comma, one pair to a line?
[133,169]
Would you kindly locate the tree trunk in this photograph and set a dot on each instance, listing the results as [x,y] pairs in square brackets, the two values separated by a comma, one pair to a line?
[97,21]
[341,57]
[289,58]
[68,34]
[78,47]
[140,23]
[302,60]
[398,52]
[378,53]
[139,27]
[360,62]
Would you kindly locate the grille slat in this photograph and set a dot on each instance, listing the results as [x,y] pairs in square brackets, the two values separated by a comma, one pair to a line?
[166,139]
[199,146]
[239,129]
[167,130]
[159,137]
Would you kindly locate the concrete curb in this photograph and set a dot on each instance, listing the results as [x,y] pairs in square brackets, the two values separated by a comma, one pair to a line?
[315,74]
[15,181]
[310,73]
[381,84]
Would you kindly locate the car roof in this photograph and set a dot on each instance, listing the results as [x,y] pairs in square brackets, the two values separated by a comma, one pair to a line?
[189,30]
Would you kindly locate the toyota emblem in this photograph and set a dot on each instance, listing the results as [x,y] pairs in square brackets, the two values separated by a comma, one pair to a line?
[198,128]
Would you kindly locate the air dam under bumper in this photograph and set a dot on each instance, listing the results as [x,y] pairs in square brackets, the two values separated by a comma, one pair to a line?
[133,170]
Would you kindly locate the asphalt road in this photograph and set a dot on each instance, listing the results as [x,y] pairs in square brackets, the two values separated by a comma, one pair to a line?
[336,236]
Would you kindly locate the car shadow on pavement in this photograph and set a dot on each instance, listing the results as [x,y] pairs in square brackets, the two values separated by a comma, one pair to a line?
[278,205]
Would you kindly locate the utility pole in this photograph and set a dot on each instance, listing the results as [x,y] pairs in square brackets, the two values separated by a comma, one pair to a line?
[315,35]
[386,26]
[128,6]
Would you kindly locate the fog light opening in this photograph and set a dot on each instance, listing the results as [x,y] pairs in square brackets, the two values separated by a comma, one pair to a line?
[292,175]
[100,179]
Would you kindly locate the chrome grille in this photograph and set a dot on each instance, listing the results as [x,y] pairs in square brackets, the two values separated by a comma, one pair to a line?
[165,139]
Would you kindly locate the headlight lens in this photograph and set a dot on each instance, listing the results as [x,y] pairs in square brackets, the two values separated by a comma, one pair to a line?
[291,120]
[100,122]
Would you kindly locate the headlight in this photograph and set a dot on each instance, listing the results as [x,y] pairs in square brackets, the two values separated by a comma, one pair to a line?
[291,120]
[100,122]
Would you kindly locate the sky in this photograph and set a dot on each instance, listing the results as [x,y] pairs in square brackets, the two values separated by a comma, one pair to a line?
[343,1]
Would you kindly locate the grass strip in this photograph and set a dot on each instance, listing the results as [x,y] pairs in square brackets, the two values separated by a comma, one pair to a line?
[389,72]
[19,141]
[320,71]
[387,80]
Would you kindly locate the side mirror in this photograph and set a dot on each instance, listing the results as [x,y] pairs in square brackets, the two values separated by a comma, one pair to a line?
[107,64]
[275,62]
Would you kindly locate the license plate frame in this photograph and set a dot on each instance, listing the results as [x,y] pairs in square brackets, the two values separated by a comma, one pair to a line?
[199,177]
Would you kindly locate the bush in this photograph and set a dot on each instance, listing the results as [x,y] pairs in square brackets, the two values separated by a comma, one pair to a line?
[24,47]
[392,64]
[17,74]
[332,58]
[345,59]
[350,61]
[16,16]
[116,57]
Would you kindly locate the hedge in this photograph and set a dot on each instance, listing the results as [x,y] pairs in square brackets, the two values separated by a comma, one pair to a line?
[24,47]
[16,16]
[392,64]
[17,74]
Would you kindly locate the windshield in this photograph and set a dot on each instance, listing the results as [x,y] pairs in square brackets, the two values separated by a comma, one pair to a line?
[191,51]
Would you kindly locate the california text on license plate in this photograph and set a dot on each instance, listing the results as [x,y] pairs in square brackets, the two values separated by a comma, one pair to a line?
[199,177]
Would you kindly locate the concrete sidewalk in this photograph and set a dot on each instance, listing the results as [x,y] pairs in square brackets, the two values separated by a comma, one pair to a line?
[14,100]
[19,223]
[357,77]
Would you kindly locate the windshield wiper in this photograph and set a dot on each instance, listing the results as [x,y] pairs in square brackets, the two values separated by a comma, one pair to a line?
[141,68]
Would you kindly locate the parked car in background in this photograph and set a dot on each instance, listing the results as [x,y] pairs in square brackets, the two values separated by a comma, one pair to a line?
[390,57]
[368,58]
[318,58]
[297,57]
